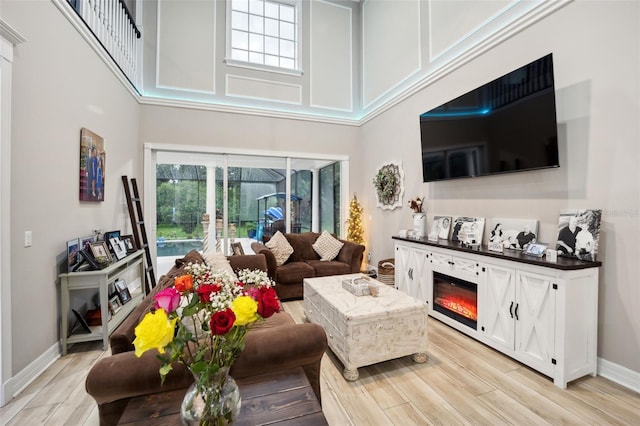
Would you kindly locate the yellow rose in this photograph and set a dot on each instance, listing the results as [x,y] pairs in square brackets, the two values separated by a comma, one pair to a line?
[245,309]
[154,331]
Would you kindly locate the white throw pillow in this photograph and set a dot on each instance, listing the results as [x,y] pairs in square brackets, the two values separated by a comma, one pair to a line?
[327,246]
[218,260]
[280,247]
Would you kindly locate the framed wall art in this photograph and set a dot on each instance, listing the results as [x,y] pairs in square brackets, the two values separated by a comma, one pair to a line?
[92,166]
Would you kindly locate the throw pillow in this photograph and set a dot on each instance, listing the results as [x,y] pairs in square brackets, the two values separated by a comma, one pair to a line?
[280,247]
[218,260]
[327,246]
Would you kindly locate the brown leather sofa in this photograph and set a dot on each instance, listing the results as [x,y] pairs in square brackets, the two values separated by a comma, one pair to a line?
[304,262]
[275,344]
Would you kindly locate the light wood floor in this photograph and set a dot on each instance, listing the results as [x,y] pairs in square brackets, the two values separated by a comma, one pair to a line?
[463,382]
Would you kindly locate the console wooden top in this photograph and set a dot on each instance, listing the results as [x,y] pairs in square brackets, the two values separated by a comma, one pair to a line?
[563,263]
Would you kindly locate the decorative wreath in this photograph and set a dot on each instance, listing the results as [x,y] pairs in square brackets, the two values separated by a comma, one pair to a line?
[388,183]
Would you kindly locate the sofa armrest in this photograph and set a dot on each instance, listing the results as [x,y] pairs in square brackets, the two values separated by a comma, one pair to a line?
[283,348]
[351,254]
[269,257]
[248,261]
[124,375]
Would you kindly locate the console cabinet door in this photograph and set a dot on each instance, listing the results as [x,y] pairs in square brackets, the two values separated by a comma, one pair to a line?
[411,269]
[499,300]
[402,267]
[535,320]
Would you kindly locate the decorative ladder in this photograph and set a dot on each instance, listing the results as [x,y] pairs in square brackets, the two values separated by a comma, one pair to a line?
[139,230]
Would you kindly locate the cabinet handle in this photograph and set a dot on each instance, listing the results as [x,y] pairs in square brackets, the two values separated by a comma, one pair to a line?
[516,312]
[511,309]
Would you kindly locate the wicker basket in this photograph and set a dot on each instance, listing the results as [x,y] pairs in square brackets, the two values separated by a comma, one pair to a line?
[386,271]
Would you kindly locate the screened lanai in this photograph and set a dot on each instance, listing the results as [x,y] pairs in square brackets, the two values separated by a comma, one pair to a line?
[245,204]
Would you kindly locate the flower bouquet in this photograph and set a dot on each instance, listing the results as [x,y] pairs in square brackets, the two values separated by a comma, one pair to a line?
[415,204]
[202,321]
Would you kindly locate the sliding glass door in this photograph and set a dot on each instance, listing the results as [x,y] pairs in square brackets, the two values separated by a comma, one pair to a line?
[246,197]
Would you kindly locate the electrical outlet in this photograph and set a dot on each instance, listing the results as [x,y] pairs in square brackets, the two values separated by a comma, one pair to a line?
[369,257]
[28,238]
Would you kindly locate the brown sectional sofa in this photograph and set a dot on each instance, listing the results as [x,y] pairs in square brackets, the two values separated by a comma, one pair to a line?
[304,262]
[275,344]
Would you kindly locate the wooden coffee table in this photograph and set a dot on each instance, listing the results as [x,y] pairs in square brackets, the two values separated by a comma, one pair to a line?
[364,330]
[275,398]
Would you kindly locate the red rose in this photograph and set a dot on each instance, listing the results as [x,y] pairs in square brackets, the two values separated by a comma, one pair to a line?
[268,302]
[205,290]
[221,322]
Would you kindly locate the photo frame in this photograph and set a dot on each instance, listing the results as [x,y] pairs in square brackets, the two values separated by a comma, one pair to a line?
[73,259]
[468,230]
[236,249]
[536,249]
[114,305]
[129,243]
[108,236]
[99,250]
[118,248]
[579,233]
[92,166]
[123,291]
[85,242]
[89,260]
[440,228]
[513,234]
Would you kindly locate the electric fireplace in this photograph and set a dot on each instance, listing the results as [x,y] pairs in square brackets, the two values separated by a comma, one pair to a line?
[456,298]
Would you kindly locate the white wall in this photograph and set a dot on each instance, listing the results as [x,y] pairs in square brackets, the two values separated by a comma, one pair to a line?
[59,86]
[185,52]
[597,70]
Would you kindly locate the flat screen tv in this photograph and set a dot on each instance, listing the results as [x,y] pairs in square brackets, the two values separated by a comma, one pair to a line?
[506,125]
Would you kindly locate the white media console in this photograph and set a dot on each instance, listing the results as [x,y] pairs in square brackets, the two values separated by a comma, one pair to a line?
[540,313]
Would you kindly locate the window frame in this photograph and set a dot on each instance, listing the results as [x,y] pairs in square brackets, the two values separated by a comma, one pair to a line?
[298,71]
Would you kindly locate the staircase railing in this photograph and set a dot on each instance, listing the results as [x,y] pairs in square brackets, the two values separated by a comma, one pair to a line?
[115,29]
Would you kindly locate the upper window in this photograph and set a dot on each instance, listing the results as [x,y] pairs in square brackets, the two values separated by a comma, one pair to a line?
[264,32]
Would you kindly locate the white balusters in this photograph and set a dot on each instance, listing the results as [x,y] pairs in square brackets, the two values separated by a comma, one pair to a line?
[112,26]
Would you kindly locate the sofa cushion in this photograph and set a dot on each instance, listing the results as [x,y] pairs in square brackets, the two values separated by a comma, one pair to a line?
[280,247]
[327,246]
[294,273]
[326,268]
[218,260]
[302,246]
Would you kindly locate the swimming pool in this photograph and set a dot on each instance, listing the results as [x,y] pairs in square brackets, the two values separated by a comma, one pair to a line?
[177,247]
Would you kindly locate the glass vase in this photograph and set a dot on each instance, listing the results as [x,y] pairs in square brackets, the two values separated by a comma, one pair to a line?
[212,400]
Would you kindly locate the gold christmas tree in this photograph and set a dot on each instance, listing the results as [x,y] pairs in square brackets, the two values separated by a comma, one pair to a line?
[355,231]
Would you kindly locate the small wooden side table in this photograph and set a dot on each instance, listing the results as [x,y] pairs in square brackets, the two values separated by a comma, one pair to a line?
[274,398]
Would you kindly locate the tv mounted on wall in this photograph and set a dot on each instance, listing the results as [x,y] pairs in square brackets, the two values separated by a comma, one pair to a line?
[506,125]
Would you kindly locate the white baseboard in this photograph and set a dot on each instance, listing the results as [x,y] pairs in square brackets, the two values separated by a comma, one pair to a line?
[17,383]
[619,374]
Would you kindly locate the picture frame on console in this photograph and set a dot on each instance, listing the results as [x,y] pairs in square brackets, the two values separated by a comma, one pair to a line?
[579,233]
[123,291]
[129,243]
[536,249]
[73,259]
[118,248]
[440,228]
[513,233]
[468,230]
